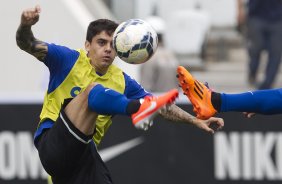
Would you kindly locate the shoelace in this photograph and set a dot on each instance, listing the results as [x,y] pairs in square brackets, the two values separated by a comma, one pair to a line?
[207,85]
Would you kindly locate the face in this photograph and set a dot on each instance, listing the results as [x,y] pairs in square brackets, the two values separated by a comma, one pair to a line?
[101,52]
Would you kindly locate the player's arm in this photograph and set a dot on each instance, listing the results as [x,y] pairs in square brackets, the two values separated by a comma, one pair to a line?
[176,114]
[134,90]
[25,38]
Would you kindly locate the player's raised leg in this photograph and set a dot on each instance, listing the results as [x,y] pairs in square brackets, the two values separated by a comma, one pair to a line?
[150,107]
[260,101]
[206,102]
[107,101]
[197,92]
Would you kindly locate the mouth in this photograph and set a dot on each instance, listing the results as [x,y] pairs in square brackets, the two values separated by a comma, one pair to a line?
[107,58]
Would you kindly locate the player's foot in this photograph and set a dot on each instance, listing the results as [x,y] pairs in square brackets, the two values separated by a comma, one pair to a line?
[150,107]
[197,92]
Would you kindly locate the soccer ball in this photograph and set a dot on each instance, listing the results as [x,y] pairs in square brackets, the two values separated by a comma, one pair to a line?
[135,41]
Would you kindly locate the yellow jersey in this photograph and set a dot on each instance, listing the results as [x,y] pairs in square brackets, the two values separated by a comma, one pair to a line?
[80,76]
[70,73]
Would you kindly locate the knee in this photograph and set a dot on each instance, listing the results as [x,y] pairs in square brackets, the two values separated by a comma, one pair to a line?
[87,92]
[90,87]
[94,92]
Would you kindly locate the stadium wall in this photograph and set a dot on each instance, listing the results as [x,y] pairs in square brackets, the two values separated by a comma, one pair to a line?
[59,23]
[63,22]
[245,151]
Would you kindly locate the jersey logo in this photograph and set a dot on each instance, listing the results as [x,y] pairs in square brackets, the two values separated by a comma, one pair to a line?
[75,91]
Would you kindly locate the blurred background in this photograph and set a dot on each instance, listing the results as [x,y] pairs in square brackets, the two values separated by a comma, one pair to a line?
[202,34]
[205,36]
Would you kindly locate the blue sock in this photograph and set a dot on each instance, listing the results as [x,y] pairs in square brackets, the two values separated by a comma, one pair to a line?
[107,101]
[261,101]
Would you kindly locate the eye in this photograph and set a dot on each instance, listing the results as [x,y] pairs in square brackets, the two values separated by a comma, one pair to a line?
[101,42]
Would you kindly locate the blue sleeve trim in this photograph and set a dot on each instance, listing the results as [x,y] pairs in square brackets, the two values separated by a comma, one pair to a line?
[133,90]
[60,61]
[44,125]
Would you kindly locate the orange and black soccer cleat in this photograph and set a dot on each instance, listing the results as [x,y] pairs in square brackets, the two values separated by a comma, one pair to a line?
[197,92]
[150,107]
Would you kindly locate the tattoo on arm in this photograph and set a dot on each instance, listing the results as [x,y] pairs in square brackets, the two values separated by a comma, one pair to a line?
[27,42]
[176,114]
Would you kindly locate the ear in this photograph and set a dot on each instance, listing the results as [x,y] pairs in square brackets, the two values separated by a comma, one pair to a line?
[87,46]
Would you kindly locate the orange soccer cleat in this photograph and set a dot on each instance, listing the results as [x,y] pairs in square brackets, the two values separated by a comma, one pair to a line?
[149,108]
[197,92]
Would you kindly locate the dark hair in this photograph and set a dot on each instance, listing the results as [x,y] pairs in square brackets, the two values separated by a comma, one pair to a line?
[97,26]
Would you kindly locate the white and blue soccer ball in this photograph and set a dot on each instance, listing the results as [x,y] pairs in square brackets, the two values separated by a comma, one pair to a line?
[135,41]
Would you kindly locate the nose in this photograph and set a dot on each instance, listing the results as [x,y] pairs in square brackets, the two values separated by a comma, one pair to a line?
[108,48]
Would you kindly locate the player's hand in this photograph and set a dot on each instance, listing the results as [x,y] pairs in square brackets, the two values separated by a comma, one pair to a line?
[210,125]
[30,16]
[249,114]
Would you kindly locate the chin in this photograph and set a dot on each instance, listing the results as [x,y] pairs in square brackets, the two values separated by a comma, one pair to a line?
[107,62]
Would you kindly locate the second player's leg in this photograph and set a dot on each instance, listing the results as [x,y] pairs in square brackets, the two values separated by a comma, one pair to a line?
[255,44]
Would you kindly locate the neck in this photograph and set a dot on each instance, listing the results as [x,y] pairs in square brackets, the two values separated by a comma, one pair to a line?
[99,70]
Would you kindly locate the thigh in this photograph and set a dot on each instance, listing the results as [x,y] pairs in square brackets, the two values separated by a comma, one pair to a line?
[275,38]
[91,169]
[62,147]
[80,115]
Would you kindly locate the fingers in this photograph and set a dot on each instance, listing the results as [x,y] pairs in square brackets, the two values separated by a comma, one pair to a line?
[37,9]
[210,130]
[214,124]
[207,127]
[31,13]
[249,114]
[214,127]
[218,121]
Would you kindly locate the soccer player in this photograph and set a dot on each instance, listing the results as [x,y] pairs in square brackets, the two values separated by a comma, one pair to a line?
[206,102]
[84,91]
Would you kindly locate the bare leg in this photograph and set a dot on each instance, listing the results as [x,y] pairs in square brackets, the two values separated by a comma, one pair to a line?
[79,113]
